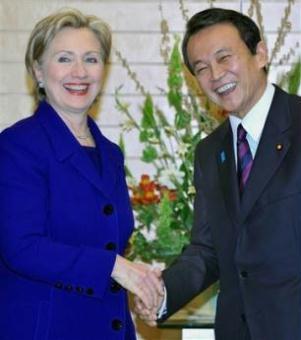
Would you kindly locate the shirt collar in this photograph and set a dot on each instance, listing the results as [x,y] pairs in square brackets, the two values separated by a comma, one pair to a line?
[253,122]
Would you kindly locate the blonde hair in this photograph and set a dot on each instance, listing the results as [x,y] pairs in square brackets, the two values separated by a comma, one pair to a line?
[47,28]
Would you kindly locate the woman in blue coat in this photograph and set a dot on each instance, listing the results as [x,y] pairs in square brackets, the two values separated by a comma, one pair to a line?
[65,214]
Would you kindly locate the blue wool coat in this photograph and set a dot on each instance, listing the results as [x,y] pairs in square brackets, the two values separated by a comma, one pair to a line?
[61,225]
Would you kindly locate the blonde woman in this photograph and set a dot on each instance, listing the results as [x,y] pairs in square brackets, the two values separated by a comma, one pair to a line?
[65,214]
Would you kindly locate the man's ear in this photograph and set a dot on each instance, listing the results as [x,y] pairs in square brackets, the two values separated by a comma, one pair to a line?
[262,54]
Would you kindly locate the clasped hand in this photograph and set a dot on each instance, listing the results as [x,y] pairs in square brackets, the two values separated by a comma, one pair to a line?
[145,283]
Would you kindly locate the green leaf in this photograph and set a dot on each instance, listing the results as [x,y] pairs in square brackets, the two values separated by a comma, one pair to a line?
[145,135]
[175,70]
[182,119]
[149,154]
[148,120]
[162,119]
[121,143]
[147,215]
[294,78]
[175,83]
[165,219]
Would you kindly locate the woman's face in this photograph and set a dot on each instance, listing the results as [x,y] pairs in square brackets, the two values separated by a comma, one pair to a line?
[71,70]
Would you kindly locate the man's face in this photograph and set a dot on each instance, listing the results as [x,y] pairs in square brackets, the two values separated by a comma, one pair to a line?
[226,70]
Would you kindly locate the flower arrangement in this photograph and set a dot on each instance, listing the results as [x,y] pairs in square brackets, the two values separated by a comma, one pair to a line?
[163,203]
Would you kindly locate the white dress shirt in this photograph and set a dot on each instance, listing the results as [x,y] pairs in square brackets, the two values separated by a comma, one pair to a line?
[253,122]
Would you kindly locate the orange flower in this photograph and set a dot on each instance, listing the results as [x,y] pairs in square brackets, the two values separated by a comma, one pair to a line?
[146,184]
[150,192]
[136,197]
[172,195]
[150,197]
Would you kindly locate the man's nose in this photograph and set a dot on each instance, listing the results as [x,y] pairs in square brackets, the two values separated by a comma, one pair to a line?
[217,71]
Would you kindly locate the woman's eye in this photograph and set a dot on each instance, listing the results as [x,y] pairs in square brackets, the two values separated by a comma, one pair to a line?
[63,59]
[92,60]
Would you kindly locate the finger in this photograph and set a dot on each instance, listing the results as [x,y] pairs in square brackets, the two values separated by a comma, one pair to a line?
[140,306]
[136,283]
[155,288]
[143,313]
[146,284]
[149,317]
[145,296]
[142,310]
[157,272]
[157,281]
[145,288]
[150,292]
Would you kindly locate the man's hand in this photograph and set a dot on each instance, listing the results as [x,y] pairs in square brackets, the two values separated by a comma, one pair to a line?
[140,279]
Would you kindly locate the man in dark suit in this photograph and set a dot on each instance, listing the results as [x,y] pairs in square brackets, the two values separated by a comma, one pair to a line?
[247,214]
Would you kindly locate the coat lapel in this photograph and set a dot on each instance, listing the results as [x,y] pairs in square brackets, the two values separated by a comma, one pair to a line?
[109,162]
[66,148]
[271,151]
[227,173]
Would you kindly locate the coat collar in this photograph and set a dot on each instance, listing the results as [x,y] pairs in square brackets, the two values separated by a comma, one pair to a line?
[272,148]
[227,172]
[67,149]
[271,151]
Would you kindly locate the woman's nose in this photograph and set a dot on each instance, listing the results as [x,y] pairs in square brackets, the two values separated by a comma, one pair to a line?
[79,69]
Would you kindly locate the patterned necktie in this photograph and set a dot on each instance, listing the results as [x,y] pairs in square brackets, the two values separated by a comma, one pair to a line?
[244,157]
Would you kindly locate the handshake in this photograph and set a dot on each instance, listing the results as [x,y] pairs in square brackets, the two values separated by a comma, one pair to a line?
[145,283]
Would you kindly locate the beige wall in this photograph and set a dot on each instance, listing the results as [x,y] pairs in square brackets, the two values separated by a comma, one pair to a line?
[136,34]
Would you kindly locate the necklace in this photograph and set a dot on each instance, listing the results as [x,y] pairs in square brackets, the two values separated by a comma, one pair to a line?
[83,137]
[86,136]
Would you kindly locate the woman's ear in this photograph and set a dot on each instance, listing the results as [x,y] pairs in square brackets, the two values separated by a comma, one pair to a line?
[37,69]
[262,54]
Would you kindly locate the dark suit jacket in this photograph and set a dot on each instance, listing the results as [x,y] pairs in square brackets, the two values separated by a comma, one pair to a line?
[252,245]
[61,225]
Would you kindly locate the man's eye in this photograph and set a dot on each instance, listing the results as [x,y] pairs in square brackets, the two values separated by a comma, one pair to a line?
[201,70]
[224,57]
[63,59]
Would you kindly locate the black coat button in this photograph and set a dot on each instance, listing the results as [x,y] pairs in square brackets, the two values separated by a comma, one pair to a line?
[117,325]
[111,246]
[115,287]
[80,290]
[69,288]
[58,285]
[243,274]
[108,209]
[90,291]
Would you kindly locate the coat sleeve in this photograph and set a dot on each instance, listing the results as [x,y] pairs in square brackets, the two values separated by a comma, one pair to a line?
[26,247]
[196,268]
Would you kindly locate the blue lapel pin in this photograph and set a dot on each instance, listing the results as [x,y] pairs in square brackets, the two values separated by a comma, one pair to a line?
[222,156]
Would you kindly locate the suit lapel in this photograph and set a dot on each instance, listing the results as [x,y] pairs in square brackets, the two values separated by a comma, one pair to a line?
[82,163]
[227,173]
[271,151]
[67,149]
[109,163]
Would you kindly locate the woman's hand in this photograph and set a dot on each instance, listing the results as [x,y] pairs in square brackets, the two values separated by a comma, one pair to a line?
[140,279]
[149,316]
